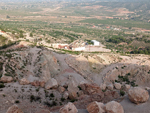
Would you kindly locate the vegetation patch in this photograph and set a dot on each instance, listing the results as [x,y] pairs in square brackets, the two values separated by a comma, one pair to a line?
[126,80]
[2,85]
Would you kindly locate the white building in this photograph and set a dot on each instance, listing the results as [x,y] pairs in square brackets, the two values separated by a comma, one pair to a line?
[1,33]
[96,43]
[79,49]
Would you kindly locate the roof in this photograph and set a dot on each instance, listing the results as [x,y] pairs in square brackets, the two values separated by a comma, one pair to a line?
[94,41]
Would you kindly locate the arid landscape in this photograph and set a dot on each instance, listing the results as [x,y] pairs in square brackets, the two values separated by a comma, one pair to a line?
[74,56]
[37,78]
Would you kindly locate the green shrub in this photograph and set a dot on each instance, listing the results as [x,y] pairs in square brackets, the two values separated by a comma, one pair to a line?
[54,103]
[133,84]
[122,93]
[8,74]
[15,90]
[37,90]
[37,98]
[60,103]
[103,90]
[22,90]
[62,99]
[79,88]
[32,98]
[17,101]
[117,81]
[48,104]
[52,95]
[94,67]
[2,85]
[31,35]
[73,100]
[128,74]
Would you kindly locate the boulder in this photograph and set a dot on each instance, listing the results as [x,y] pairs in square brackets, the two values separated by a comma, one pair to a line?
[110,86]
[35,83]
[117,86]
[127,87]
[72,89]
[69,108]
[138,95]
[66,95]
[95,107]
[42,83]
[114,107]
[52,83]
[6,79]
[72,95]
[55,60]
[24,81]
[147,88]
[103,86]
[61,89]
[80,93]
[14,109]
[43,111]
[110,95]
[38,83]
[90,88]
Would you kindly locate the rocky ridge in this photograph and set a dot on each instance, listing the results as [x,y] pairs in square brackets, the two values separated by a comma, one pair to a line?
[38,78]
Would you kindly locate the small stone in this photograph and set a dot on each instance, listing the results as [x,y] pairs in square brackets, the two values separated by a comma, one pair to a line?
[90,88]
[61,89]
[117,86]
[95,107]
[52,83]
[14,109]
[69,108]
[35,83]
[24,81]
[80,93]
[127,87]
[66,95]
[103,86]
[42,83]
[110,87]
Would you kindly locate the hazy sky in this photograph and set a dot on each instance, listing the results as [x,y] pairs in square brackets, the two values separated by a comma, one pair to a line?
[72,0]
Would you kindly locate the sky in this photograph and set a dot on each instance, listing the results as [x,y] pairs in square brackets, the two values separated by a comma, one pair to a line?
[71,0]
